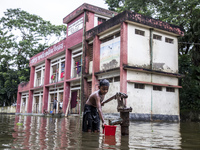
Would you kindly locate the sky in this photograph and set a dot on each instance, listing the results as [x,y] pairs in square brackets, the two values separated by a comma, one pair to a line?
[50,10]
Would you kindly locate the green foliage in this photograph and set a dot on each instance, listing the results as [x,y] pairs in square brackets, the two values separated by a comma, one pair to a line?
[22,35]
[185,13]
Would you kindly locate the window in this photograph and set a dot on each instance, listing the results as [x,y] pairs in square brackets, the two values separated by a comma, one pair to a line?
[110,37]
[76,63]
[57,69]
[139,86]
[98,19]
[39,76]
[62,71]
[157,37]
[90,47]
[89,88]
[117,79]
[139,32]
[38,79]
[101,20]
[77,67]
[168,40]
[170,89]
[157,88]
[110,80]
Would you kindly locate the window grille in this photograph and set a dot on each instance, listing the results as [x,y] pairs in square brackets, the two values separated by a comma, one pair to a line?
[170,89]
[168,40]
[157,88]
[157,37]
[139,32]
[139,86]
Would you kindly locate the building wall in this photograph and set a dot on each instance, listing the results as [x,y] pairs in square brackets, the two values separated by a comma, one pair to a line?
[164,80]
[110,54]
[89,21]
[111,107]
[165,55]
[138,47]
[148,101]
[139,99]
[166,103]
[8,109]
[154,78]
[164,58]
[75,36]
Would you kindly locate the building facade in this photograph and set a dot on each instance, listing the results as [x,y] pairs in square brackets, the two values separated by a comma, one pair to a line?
[137,54]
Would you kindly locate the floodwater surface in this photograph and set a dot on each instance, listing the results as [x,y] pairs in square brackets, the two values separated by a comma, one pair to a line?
[34,132]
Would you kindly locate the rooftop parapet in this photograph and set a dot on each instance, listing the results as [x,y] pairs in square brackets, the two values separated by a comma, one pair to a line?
[91,8]
[128,16]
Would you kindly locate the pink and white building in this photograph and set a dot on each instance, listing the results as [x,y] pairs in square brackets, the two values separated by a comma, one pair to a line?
[138,54]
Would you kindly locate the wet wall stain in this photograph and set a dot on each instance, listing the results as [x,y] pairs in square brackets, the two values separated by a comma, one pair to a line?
[112,64]
[158,66]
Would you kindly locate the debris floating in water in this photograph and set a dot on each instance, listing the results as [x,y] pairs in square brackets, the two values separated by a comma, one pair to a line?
[19,124]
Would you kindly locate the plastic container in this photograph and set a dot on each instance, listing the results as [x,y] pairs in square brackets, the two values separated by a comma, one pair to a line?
[51,112]
[109,130]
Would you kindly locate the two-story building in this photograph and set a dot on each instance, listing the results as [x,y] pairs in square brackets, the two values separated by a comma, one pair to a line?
[138,54]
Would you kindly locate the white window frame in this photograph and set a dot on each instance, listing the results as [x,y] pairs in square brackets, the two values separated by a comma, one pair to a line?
[96,16]
[37,69]
[26,96]
[78,52]
[59,61]
[40,94]
[56,90]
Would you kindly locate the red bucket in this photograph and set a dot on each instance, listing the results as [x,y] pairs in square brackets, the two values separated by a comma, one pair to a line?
[109,130]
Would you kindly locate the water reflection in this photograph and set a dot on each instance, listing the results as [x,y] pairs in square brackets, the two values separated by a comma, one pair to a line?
[33,132]
[155,135]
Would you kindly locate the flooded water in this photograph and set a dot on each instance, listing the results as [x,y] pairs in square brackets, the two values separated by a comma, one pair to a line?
[33,132]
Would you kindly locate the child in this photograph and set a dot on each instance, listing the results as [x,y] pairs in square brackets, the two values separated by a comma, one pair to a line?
[60,104]
[92,109]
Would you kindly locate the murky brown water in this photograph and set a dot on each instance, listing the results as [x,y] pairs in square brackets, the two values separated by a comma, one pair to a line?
[33,132]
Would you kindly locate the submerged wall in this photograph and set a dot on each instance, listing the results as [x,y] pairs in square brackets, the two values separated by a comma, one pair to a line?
[8,109]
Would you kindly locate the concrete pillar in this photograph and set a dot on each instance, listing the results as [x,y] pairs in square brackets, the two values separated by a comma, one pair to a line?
[86,59]
[30,101]
[123,57]
[18,102]
[31,83]
[96,62]
[66,93]
[46,89]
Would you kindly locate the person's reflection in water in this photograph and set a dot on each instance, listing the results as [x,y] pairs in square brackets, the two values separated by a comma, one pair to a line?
[90,140]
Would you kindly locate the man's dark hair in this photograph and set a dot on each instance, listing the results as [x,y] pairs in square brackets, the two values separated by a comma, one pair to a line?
[104,82]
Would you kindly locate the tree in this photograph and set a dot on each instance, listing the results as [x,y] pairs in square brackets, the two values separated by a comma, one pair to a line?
[22,35]
[185,13]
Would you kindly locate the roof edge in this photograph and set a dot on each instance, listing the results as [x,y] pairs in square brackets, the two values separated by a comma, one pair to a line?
[137,18]
[88,7]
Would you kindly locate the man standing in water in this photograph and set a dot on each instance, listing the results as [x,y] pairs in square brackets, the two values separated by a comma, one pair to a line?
[55,105]
[93,111]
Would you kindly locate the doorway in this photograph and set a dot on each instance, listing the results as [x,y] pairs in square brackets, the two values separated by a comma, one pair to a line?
[75,102]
